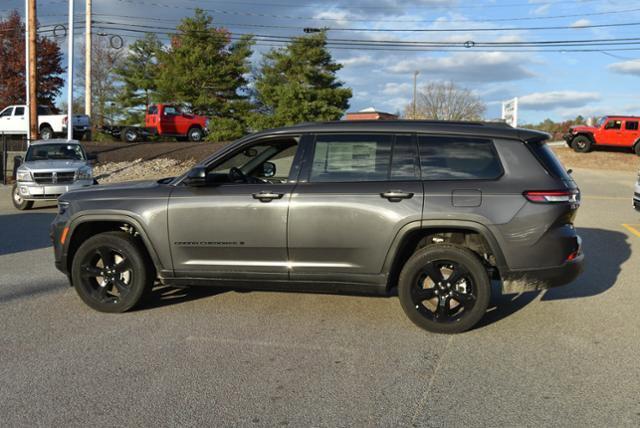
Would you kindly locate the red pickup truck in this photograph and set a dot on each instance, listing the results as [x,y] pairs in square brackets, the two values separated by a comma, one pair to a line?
[618,131]
[165,120]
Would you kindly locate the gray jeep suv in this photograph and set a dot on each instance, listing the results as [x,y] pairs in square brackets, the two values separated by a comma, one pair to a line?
[438,209]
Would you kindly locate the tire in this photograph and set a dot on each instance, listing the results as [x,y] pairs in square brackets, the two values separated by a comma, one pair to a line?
[129,276]
[636,148]
[431,303]
[581,144]
[129,135]
[195,134]
[17,200]
[46,133]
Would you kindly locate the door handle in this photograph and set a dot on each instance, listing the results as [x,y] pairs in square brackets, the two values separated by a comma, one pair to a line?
[266,196]
[396,195]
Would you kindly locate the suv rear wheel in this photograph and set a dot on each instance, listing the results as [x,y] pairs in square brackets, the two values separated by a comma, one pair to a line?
[111,273]
[581,144]
[444,288]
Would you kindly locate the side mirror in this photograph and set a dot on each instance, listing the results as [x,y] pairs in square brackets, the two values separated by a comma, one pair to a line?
[17,161]
[197,177]
[268,169]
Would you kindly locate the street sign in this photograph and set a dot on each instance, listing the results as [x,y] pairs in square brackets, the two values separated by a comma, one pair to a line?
[510,112]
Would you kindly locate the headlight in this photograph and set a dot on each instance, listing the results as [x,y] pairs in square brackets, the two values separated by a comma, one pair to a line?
[62,207]
[24,175]
[84,173]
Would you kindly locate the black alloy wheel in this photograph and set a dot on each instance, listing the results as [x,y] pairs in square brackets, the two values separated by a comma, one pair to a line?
[111,272]
[444,288]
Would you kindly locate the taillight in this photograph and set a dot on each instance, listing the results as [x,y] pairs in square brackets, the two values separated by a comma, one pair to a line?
[552,196]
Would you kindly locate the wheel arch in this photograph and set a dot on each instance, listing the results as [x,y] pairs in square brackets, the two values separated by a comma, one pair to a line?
[415,235]
[90,225]
[589,135]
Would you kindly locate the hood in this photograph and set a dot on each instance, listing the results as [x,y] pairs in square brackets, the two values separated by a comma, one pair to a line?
[582,128]
[124,190]
[54,164]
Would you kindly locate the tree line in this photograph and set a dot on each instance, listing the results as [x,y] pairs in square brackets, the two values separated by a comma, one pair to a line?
[201,69]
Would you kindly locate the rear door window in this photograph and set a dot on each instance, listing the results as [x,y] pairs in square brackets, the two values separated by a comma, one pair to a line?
[631,125]
[19,111]
[458,158]
[345,158]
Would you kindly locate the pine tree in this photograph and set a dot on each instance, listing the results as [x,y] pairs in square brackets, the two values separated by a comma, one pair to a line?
[205,72]
[298,83]
[138,73]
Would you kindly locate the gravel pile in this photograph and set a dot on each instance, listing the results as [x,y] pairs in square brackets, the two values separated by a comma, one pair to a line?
[112,172]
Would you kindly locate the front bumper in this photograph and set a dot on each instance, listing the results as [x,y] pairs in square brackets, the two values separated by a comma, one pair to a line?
[636,200]
[48,192]
[568,137]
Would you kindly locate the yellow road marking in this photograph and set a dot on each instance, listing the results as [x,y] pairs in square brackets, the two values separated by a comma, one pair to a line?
[608,198]
[632,229]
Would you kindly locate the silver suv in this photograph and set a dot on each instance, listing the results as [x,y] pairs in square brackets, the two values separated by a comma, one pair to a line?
[49,169]
[436,210]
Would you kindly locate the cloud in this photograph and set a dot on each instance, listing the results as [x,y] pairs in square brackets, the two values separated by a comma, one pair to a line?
[556,99]
[356,61]
[393,88]
[481,67]
[626,67]
[580,23]
[542,10]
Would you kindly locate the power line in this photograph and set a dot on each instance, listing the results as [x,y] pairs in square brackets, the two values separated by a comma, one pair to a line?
[303,18]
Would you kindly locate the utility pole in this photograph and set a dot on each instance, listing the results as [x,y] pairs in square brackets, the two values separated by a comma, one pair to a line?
[70,74]
[26,70]
[87,60]
[32,96]
[415,85]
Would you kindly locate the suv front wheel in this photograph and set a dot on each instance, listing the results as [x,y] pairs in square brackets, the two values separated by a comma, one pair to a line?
[111,273]
[444,288]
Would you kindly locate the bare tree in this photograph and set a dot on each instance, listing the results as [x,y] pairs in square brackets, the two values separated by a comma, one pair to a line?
[104,80]
[446,101]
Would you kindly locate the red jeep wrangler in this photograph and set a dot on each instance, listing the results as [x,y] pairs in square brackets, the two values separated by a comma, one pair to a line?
[619,131]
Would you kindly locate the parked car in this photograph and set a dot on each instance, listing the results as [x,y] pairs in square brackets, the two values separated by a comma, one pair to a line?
[636,194]
[49,169]
[618,131]
[438,209]
[163,120]
[13,120]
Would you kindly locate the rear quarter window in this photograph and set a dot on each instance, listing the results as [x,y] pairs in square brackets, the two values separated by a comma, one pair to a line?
[458,158]
[549,160]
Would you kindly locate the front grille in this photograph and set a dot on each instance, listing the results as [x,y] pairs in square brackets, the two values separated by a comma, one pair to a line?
[636,195]
[54,177]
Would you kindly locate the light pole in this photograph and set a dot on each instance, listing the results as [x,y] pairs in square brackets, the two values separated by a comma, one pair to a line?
[415,85]
[70,75]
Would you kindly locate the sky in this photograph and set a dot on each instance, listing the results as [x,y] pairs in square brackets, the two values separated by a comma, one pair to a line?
[557,84]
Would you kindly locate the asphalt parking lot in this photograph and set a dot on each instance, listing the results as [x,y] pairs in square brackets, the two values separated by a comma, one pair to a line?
[567,356]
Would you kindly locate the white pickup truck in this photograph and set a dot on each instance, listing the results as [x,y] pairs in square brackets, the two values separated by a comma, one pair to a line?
[13,120]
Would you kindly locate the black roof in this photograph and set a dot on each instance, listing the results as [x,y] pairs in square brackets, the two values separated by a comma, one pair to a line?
[477,129]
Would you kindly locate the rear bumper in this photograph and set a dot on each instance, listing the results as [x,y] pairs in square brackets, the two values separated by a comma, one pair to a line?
[518,281]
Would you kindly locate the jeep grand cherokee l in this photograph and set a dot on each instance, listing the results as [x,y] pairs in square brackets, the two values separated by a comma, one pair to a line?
[436,209]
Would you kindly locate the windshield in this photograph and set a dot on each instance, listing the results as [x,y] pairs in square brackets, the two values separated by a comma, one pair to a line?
[601,121]
[55,151]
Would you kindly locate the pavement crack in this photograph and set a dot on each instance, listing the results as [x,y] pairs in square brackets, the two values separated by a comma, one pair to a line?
[427,392]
